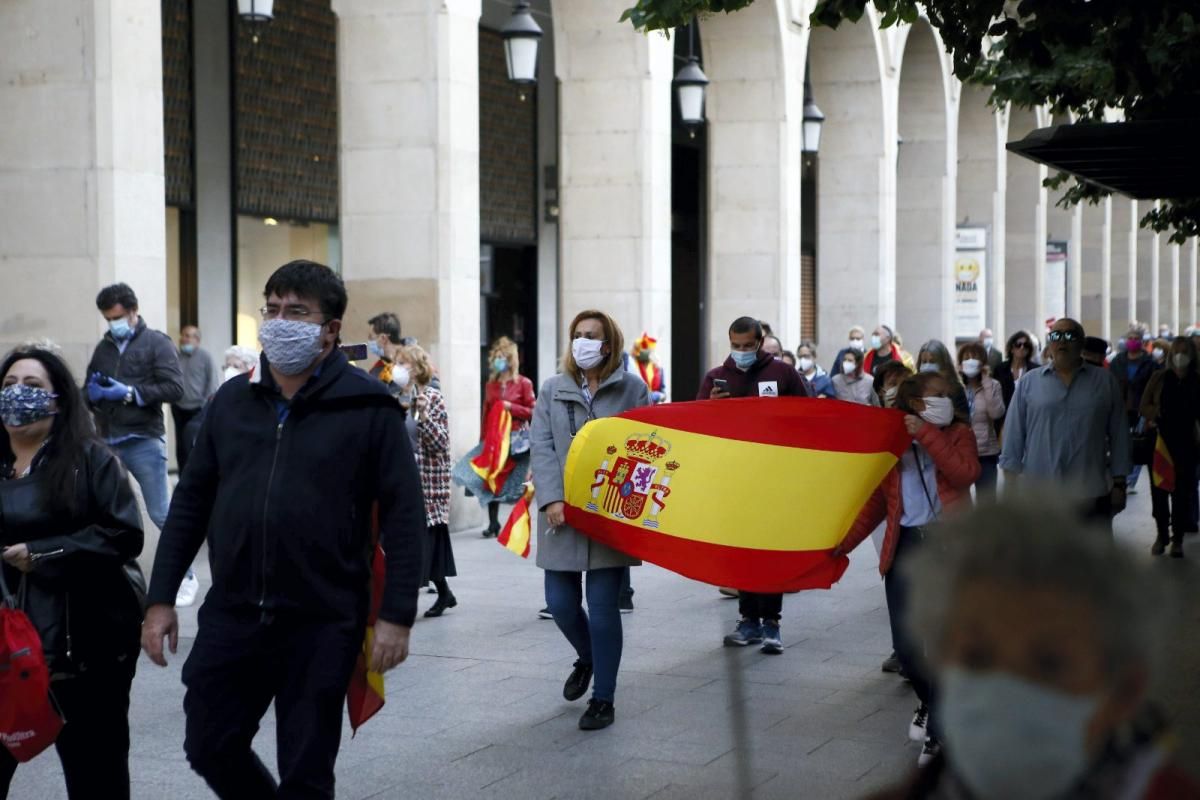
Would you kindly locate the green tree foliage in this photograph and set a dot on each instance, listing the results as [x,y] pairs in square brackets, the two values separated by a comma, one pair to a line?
[1077,57]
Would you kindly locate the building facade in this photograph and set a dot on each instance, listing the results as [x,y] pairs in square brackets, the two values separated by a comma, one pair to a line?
[177,147]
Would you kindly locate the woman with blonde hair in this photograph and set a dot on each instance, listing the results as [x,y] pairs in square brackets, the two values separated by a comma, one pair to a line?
[506,387]
[429,431]
[592,384]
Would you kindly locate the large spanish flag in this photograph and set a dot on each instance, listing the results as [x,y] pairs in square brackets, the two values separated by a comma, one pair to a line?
[492,464]
[753,493]
[1162,467]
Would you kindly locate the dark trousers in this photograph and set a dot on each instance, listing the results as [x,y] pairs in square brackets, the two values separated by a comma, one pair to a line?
[183,446]
[985,487]
[238,665]
[626,584]
[752,605]
[1174,509]
[94,743]
[1098,513]
[596,634]
[909,650]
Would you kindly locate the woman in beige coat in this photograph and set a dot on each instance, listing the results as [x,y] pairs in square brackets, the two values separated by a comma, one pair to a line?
[592,384]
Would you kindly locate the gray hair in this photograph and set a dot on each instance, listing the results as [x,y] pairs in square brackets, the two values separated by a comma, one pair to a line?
[247,357]
[1039,546]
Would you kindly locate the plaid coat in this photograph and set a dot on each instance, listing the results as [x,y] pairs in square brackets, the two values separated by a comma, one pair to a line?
[433,457]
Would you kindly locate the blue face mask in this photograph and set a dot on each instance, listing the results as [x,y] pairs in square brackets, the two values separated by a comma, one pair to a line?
[1009,737]
[744,360]
[374,349]
[928,366]
[187,349]
[499,364]
[22,405]
[120,328]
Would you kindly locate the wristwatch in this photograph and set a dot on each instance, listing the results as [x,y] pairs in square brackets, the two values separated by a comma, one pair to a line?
[128,397]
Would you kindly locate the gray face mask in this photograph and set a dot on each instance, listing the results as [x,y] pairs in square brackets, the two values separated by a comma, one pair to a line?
[291,345]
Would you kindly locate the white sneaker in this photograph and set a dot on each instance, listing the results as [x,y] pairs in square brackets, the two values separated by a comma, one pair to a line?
[929,751]
[918,728]
[187,591]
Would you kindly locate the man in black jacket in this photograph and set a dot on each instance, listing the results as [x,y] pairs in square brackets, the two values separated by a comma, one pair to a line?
[133,371]
[290,466]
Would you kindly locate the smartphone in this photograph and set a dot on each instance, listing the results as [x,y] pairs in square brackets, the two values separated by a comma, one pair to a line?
[355,352]
[721,384]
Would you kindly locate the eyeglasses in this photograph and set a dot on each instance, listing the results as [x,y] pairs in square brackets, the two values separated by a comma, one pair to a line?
[1064,336]
[294,313]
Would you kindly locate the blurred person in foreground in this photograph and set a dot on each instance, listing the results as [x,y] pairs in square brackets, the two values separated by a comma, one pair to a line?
[1042,637]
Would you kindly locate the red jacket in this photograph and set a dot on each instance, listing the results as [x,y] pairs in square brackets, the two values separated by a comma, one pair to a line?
[519,394]
[954,454]
[869,360]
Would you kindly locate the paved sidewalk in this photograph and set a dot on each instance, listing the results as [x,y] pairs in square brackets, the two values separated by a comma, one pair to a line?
[478,711]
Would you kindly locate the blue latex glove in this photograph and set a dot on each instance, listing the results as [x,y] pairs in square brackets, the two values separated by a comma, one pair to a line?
[94,389]
[115,391]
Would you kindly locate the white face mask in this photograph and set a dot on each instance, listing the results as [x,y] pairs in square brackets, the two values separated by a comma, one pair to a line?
[849,366]
[1181,360]
[805,363]
[1013,738]
[231,373]
[971,367]
[401,376]
[939,411]
[988,342]
[857,344]
[889,395]
[1159,354]
[586,352]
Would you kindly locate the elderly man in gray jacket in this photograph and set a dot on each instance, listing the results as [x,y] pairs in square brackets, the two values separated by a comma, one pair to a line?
[592,384]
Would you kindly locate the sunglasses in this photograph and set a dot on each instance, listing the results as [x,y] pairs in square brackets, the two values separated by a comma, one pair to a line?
[1021,346]
[1064,336]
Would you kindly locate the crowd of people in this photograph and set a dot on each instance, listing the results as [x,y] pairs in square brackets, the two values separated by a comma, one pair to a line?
[298,469]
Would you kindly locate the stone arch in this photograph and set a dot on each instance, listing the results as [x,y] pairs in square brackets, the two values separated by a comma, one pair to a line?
[925,178]
[753,170]
[855,264]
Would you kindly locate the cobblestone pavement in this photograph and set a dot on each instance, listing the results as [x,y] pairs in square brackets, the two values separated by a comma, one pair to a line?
[477,711]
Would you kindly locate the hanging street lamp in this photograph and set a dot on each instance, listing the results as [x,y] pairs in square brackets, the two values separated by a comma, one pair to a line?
[813,118]
[256,10]
[521,37]
[690,84]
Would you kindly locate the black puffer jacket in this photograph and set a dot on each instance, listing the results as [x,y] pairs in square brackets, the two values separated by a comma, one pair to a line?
[286,503]
[149,364]
[85,593]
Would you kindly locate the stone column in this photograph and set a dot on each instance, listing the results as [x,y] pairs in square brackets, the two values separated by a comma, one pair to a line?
[1132,255]
[408,81]
[1106,272]
[1075,266]
[754,107]
[1192,308]
[1155,282]
[81,167]
[614,169]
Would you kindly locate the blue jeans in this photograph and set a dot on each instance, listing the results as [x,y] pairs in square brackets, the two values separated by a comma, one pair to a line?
[909,649]
[146,460]
[595,634]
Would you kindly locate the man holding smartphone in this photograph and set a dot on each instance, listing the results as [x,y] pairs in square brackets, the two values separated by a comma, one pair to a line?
[750,371]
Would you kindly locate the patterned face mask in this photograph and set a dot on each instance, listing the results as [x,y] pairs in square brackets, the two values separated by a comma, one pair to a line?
[22,405]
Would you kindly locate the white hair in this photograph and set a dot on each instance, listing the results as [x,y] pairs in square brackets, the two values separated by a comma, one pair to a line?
[1039,546]
[245,356]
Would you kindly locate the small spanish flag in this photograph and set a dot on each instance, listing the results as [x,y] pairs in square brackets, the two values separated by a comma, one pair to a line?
[712,489]
[1162,469]
[365,694]
[492,464]
[516,533]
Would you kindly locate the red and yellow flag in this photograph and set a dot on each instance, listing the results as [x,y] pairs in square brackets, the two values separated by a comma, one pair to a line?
[753,493]
[517,530]
[1162,468]
[492,464]
[365,695]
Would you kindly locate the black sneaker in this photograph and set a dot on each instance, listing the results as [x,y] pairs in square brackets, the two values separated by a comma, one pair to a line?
[578,681]
[891,663]
[625,603]
[545,614]
[600,714]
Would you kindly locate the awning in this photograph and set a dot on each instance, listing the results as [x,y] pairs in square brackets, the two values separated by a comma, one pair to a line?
[1148,160]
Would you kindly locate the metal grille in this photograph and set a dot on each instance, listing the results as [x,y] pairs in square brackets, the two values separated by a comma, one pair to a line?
[507,151]
[177,102]
[808,299]
[285,113]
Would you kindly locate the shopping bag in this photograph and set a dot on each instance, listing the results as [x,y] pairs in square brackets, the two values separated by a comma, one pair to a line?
[29,718]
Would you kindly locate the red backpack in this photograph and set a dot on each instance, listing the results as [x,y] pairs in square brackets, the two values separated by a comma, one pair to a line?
[29,720]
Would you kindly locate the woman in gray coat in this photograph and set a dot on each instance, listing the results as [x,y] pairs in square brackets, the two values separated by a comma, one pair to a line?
[592,384]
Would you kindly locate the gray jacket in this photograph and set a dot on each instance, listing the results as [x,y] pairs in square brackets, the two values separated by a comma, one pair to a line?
[564,548]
